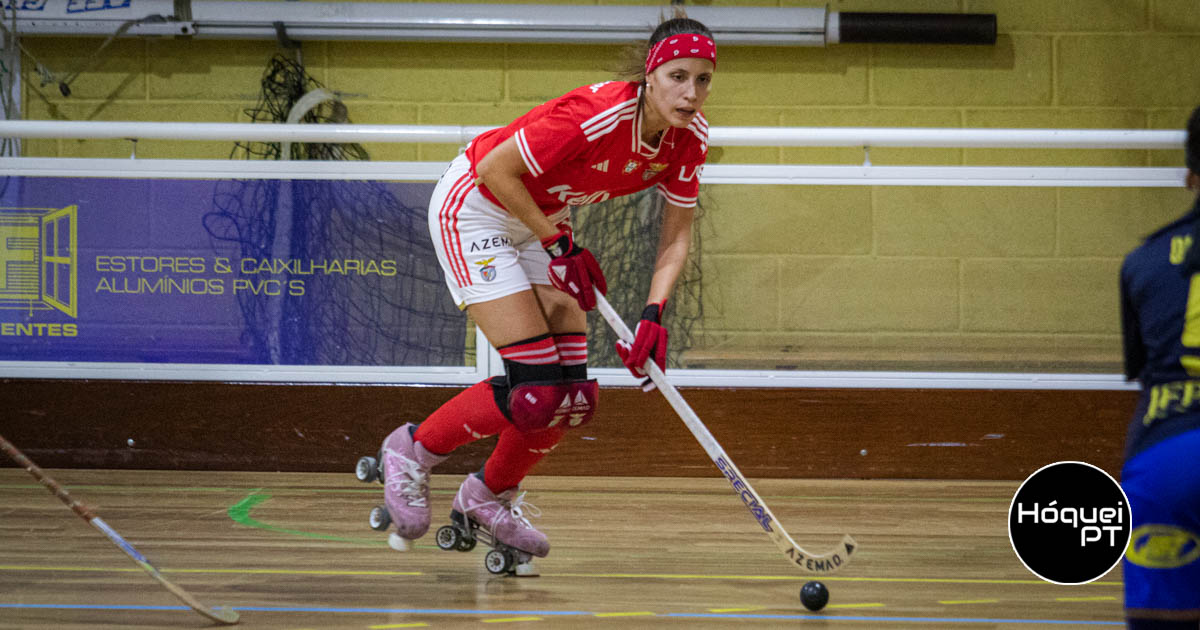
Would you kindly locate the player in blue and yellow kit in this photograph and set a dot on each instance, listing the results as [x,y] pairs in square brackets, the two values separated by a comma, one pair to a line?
[1160,316]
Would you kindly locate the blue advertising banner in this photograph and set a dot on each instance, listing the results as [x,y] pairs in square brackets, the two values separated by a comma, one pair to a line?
[202,271]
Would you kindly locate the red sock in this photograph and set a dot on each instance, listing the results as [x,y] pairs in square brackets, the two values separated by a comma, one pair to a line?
[536,351]
[515,454]
[467,417]
[572,348]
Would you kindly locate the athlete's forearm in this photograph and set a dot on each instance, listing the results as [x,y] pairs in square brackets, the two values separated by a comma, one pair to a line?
[501,170]
[673,246]
[511,192]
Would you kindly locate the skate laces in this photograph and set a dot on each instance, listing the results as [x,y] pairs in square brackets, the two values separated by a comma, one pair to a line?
[517,508]
[410,481]
[518,514]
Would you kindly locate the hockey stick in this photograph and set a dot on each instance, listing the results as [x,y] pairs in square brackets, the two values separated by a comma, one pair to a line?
[219,615]
[827,562]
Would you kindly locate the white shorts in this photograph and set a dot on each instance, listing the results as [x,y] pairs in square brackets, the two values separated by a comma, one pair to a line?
[485,252]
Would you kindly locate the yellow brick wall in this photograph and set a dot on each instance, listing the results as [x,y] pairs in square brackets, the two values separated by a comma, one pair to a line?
[810,277]
[946,278]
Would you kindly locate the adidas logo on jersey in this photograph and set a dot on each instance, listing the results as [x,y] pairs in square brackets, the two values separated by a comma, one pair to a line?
[601,166]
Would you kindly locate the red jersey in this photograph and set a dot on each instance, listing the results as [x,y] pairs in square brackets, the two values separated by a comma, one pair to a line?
[586,146]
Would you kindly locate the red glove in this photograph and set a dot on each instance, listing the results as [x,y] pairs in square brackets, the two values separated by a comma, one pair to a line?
[573,270]
[649,340]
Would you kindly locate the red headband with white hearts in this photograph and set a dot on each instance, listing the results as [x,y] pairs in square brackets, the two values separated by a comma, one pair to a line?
[680,47]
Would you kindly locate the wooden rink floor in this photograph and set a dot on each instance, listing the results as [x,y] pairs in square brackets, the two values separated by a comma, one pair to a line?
[294,551]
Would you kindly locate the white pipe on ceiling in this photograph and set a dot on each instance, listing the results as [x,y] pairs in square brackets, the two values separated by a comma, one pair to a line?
[256,19]
[273,19]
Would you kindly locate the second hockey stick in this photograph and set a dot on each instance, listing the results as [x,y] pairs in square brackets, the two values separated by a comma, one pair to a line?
[823,563]
[219,615]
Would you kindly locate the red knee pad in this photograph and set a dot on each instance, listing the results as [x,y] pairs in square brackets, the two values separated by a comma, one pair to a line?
[538,406]
[584,396]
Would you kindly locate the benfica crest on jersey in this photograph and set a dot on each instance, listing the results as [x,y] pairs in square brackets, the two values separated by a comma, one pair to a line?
[654,169]
[486,269]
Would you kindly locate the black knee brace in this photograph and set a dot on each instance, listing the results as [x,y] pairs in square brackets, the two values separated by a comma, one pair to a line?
[516,373]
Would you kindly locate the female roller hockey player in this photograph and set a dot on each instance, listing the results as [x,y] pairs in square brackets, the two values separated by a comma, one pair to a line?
[1160,284]
[501,223]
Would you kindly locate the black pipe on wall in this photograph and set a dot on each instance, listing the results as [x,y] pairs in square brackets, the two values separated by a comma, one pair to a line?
[917,28]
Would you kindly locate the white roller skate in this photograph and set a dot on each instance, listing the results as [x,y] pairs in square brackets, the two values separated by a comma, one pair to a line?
[402,466]
[499,521]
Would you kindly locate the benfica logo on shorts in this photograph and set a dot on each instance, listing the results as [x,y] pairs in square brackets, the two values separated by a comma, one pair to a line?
[486,269]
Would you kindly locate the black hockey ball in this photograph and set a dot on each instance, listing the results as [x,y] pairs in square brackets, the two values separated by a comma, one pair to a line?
[814,595]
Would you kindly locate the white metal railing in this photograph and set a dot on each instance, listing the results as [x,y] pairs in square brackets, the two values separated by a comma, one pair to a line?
[791,174]
[718,136]
[778,174]
[716,173]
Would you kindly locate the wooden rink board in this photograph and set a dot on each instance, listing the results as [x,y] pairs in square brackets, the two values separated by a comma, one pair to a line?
[293,550]
[785,433]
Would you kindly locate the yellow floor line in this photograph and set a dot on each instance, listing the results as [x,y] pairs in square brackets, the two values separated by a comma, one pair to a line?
[234,571]
[952,602]
[637,576]
[293,571]
[805,578]
[8,567]
[725,610]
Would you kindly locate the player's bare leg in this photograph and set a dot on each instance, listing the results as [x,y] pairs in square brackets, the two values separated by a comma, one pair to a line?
[561,311]
[489,505]
[511,318]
